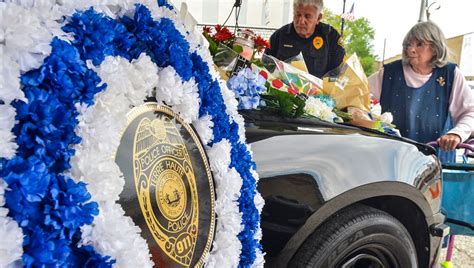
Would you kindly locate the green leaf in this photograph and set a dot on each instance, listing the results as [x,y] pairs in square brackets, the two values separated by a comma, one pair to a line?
[212,44]
[259,63]
[284,103]
[238,49]
[344,115]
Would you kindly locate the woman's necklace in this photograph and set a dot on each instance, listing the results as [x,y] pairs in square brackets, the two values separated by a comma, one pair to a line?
[422,70]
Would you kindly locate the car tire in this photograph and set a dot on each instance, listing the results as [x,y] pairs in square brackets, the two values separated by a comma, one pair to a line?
[358,236]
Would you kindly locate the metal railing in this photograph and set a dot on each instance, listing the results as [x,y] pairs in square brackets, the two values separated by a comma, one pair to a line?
[264,32]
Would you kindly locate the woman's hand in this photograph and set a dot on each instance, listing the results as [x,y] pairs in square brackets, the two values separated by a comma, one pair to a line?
[449,142]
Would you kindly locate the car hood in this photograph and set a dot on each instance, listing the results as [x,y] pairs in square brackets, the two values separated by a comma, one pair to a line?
[263,124]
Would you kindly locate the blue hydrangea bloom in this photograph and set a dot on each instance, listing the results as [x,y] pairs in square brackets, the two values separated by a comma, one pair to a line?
[247,87]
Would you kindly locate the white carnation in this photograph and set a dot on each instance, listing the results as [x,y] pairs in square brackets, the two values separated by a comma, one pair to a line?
[8,145]
[386,118]
[114,234]
[11,247]
[226,247]
[319,109]
[203,127]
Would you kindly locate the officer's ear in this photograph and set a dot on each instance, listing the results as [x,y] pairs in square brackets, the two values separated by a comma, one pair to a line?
[320,16]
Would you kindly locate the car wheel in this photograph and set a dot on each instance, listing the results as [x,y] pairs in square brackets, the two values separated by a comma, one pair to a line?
[358,236]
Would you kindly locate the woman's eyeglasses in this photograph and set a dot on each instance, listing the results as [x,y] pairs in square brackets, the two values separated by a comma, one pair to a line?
[416,44]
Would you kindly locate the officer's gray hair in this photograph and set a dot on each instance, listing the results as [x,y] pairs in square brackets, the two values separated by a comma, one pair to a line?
[318,4]
[428,32]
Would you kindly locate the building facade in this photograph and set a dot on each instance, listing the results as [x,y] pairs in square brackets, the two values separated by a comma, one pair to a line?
[255,13]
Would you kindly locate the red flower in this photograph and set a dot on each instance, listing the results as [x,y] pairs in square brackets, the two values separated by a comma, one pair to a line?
[374,101]
[260,43]
[248,30]
[206,29]
[222,34]
[218,27]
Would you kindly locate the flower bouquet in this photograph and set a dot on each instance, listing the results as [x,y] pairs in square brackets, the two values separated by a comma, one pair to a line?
[232,52]
[216,36]
[293,92]
[349,86]
[286,88]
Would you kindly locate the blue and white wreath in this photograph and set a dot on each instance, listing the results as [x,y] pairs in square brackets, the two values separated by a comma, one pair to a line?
[70,72]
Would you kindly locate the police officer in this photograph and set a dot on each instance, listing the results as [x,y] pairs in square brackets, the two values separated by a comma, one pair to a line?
[319,43]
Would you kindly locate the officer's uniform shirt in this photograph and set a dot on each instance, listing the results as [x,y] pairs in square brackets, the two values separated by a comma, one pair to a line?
[322,51]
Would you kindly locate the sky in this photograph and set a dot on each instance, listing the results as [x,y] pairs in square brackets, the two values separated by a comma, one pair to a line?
[392,19]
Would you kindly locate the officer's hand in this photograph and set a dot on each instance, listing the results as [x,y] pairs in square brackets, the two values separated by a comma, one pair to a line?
[449,142]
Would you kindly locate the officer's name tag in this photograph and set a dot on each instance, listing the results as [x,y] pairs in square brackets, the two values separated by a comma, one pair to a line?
[286,45]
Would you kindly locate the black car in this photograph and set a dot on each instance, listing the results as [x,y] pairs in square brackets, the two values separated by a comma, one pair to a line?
[341,196]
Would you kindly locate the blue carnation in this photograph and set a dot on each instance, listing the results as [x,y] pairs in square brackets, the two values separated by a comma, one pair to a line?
[41,248]
[49,207]
[160,40]
[68,206]
[213,104]
[97,36]
[164,3]
[86,256]
[46,128]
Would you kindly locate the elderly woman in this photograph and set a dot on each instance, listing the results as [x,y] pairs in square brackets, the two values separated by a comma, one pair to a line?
[428,97]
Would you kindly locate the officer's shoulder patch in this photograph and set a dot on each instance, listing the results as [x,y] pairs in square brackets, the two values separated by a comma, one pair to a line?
[318,42]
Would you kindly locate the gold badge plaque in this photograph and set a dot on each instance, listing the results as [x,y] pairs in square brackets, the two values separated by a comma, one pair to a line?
[169,191]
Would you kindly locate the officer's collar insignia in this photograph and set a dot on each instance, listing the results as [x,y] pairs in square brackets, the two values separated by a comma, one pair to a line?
[318,42]
[287,45]
[441,81]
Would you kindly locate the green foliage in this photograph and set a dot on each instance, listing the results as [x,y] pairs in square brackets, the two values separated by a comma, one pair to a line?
[213,45]
[344,115]
[358,37]
[283,103]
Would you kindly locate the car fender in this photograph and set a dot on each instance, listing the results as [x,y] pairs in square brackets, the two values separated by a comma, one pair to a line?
[346,199]
[347,169]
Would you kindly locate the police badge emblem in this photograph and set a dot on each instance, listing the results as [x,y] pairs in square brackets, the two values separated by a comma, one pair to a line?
[318,42]
[169,191]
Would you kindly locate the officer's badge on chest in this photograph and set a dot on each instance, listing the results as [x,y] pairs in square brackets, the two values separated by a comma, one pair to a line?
[318,42]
